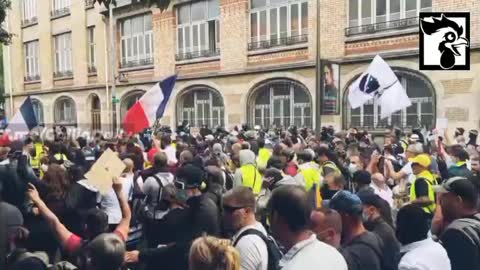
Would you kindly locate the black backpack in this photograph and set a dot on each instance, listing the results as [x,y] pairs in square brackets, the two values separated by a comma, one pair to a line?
[470,227]
[274,253]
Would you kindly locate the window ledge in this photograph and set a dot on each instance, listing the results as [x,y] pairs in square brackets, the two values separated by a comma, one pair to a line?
[198,60]
[54,17]
[279,49]
[385,34]
[26,25]
[56,79]
[32,82]
[92,74]
[128,69]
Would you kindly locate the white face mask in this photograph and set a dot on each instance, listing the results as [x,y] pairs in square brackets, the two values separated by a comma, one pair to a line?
[44,167]
[352,168]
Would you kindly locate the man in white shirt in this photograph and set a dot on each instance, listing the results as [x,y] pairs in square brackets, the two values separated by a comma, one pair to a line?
[380,188]
[239,213]
[169,150]
[290,209]
[406,173]
[154,184]
[419,251]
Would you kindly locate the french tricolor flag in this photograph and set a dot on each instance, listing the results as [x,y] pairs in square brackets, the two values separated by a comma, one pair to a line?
[23,121]
[149,107]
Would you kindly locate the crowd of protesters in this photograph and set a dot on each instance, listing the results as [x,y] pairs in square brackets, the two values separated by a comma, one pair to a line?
[249,198]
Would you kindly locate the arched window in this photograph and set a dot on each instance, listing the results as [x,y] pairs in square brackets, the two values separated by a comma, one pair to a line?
[65,112]
[280,103]
[420,114]
[201,106]
[95,112]
[128,101]
[38,110]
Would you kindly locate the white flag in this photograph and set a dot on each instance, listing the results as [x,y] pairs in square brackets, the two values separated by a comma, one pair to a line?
[379,82]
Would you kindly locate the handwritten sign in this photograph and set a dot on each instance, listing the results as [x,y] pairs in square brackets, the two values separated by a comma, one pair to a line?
[104,170]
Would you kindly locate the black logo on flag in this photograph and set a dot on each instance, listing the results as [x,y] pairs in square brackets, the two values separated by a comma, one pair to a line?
[444,41]
[369,84]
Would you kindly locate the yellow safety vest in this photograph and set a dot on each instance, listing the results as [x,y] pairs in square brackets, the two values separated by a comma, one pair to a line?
[263,157]
[311,175]
[251,177]
[35,162]
[431,181]
[60,156]
[330,165]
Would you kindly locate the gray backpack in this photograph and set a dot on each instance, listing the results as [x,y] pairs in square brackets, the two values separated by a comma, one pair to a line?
[468,226]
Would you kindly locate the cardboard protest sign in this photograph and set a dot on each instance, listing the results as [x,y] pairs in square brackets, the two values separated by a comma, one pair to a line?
[104,170]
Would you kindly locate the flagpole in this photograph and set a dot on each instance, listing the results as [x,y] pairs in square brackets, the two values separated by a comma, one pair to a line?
[318,122]
[112,69]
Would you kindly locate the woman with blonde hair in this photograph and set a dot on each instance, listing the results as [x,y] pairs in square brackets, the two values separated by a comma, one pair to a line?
[211,253]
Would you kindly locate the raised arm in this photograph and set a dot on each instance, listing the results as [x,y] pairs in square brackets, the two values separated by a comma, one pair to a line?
[62,233]
[124,225]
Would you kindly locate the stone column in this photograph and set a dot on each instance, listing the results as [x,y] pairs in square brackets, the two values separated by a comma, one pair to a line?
[46,44]
[79,43]
[164,42]
[17,57]
[234,27]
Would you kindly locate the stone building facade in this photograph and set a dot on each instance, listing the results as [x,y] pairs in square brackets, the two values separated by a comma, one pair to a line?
[237,61]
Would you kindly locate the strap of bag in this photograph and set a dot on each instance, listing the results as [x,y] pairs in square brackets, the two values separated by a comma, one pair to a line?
[251,232]
[160,187]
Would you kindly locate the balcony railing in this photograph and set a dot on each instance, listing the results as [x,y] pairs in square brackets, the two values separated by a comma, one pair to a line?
[60,12]
[198,54]
[31,78]
[381,27]
[63,74]
[137,63]
[89,3]
[92,69]
[279,42]
[29,21]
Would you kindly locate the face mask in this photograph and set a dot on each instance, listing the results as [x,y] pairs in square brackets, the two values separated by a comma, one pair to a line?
[44,167]
[181,195]
[365,217]
[352,168]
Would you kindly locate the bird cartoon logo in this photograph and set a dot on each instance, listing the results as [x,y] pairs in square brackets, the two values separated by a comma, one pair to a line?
[450,37]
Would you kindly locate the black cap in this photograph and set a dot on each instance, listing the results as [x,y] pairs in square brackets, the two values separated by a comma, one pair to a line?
[190,176]
[460,186]
[368,197]
[362,177]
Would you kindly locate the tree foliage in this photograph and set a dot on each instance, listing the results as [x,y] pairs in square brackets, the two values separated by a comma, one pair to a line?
[161,4]
[5,37]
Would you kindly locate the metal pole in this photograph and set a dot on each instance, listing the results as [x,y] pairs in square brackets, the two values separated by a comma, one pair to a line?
[318,123]
[113,63]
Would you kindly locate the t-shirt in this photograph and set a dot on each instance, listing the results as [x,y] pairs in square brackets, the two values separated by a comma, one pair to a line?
[111,206]
[253,250]
[364,252]
[151,188]
[74,242]
[421,188]
[407,169]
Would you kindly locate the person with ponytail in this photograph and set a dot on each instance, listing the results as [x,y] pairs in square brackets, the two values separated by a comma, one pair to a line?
[211,253]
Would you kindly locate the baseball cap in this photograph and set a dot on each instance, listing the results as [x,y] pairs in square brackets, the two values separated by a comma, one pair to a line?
[345,202]
[189,176]
[362,177]
[369,197]
[422,160]
[460,186]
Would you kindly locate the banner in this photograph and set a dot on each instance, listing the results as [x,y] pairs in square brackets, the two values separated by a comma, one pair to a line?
[329,88]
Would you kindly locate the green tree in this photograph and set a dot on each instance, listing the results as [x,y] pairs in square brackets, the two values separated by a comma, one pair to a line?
[161,4]
[5,37]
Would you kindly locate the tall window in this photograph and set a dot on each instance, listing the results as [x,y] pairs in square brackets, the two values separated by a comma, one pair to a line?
[419,114]
[137,41]
[281,103]
[60,7]
[38,111]
[32,66]
[278,22]
[202,107]
[29,11]
[63,55]
[365,12]
[91,49]
[65,112]
[198,29]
